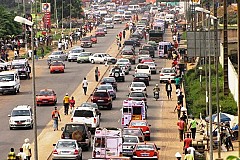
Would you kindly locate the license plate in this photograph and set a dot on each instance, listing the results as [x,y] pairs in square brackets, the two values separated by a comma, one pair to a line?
[144,155]
[141,78]
[100,100]
[65,152]
[45,101]
[19,122]
[57,70]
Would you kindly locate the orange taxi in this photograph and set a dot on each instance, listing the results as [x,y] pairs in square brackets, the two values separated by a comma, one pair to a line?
[57,66]
[146,151]
[46,96]
[143,125]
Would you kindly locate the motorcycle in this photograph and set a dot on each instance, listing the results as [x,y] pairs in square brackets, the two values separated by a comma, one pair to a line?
[156,95]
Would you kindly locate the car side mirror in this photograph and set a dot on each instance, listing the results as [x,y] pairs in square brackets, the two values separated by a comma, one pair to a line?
[54,144]
[9,115]
[62,128]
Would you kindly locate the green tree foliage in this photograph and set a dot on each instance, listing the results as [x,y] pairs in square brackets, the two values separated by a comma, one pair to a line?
[8,26]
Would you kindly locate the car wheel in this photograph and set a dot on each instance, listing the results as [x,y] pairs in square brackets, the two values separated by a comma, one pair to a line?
[15,92]
[10,128]
[31,127]
[109,107]
[18,90]
[160,81]
[80,158]
[92,61]
[69,60]
[123,79]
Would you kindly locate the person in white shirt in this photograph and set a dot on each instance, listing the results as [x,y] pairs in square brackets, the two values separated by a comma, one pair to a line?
[174,37]
[85,85]
[27,149]
[22,155]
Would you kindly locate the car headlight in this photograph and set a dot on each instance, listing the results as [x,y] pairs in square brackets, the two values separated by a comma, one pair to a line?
[51,99]
[11,121]
[28,120]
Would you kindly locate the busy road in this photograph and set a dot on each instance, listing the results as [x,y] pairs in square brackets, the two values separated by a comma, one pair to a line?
[60,83]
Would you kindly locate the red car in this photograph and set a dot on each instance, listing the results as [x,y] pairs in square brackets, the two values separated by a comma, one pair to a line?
[146,59]
[146,151]
[57,67]
[102,98]
[143,124]
[93,39]
[99,33]
[46,96]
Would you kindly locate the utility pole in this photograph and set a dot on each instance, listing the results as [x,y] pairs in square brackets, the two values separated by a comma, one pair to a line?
[62,16]
[238,20]
[25,26]
[70,16]
[225,49]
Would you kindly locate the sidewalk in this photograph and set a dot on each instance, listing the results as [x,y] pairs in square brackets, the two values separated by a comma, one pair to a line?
[50,136]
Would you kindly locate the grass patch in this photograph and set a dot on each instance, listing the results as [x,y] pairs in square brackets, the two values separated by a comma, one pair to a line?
[184,36]
[196,95]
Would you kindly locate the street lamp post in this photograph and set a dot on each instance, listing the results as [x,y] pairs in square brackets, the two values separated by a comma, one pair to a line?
[238,23]
[70,16]
[30,23]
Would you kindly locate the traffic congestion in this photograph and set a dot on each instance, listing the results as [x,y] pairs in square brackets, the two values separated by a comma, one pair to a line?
[125,69]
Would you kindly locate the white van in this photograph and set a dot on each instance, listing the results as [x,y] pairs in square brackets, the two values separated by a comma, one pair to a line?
[163,49]
[9,82]
[134,8]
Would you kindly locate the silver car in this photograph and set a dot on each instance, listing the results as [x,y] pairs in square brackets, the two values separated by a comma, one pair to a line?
[67,149]
[129,143]
[58,54]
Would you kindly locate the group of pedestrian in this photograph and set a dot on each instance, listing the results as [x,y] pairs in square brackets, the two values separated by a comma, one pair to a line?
[24,152]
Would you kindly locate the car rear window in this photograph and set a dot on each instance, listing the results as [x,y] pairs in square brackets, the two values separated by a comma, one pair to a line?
[129,43]
[168,71]
[145,147]
[127,53]
[136,94]
[142,67]
[74,127]
[83,113]
[100,94]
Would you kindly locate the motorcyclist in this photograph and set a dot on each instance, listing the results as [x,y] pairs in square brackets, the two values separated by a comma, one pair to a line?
[156,89]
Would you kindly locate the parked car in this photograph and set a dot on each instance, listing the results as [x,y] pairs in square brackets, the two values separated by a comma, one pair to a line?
[166,74]
[87,115]
[46,96]
[67,149]
[143,124]
[141,77]
[109,80]
[21,117]
[84,57]
[72,130]
[57,66]
[109,88]
[102,98]
[146,150]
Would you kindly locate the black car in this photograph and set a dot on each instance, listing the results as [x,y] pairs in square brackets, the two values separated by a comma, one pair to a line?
[110,80]
[137,34]
[150,48]
[79,132]
[129,43]
[136,41]
[141,77]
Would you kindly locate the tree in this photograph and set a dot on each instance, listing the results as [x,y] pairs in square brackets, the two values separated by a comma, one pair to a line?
[8,25]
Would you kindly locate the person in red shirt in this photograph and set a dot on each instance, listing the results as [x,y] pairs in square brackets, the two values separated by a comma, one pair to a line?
[180,125]
[120,36]
[72,103]
[187,143]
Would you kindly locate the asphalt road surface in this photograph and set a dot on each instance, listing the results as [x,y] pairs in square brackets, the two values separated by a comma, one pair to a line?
[61,83]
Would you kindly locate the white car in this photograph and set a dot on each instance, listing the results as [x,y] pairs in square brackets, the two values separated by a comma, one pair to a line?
[138,86]
[166,74]
[143,68]
[87,115]
[21,117]
[102,58]
[58,54]
[126,62]
[4,65]
[129,143]
[73,56]
[152,66]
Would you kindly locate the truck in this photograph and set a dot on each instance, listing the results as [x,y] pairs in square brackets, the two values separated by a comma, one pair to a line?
[156,35]
[107,142]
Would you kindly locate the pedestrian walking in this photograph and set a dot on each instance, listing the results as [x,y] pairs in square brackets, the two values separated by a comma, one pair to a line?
[180,125]
[187,142]
[178,108]
[66,103]
[119,45]
[21,155]
[120,36]
[15,54]
[27,149]
[42,52]
[178,156]
[124,34]
[11,155]
[180,98]
[55,117]
[72,104]
[85,85]
[177,81]
[228,140]
[28,71]
[188,156]
[97,74]
[193,127]
[169,89]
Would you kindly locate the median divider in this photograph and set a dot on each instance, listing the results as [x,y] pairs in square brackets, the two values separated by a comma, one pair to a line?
[47,137]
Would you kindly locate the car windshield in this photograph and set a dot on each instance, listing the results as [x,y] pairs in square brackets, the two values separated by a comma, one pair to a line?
[94,105]
[141,75]
[17,66]
[86,39]
[100,94]
[142,67]
[84,54]
[46,93]
[100,30]
[66,144]
[138,85]
[111,80]
[130,139]
[127,53]
[149,63]
[6,77]
[56,64]
[105,87]
[16,113]
[136,94]
[83,113]
[148,47]
[143,52]
[146,58]
[74,127]
[167,71]
[145,147]
[56,53]
[140,123]
[76,51]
